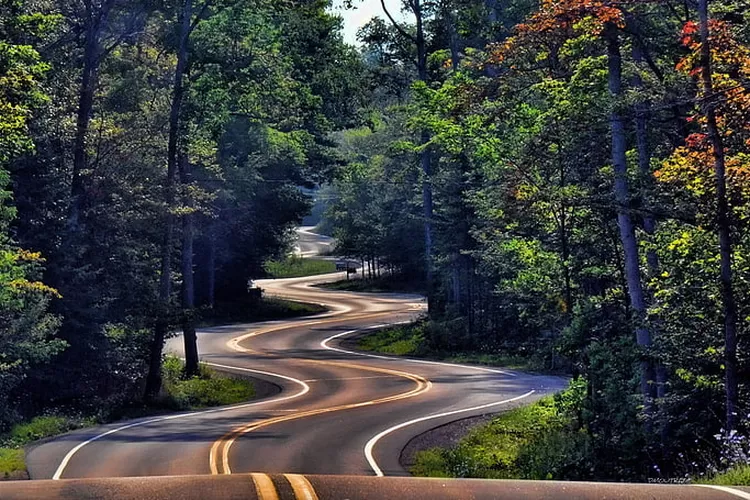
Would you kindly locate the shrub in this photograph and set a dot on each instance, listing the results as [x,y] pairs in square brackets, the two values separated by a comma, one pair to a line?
[207,389]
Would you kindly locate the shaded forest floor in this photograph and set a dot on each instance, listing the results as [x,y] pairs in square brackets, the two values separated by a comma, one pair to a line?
[252,311]
[384,284]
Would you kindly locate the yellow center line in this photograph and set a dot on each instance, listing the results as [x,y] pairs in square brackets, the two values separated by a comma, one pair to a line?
[302,488]
[234,344]
[264,487]
[224,444]
[219,454]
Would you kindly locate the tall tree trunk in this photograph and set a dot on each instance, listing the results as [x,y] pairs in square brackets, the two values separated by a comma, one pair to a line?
[624,220]
[449,18]
[564,244]
[188,284]
[642,113]
[96,18]
[723,224]
[492,11]
[211,271]
[426,154]
[420,44]
[153,380]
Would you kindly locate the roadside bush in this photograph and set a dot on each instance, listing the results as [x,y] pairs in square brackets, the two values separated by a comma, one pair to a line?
[207,389]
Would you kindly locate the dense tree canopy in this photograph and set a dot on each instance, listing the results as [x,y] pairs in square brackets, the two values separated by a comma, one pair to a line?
[588,171]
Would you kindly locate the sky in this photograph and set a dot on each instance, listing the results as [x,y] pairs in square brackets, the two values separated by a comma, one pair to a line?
[366,10]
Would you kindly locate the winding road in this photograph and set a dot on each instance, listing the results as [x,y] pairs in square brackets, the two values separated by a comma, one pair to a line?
[339,419]
[338,411]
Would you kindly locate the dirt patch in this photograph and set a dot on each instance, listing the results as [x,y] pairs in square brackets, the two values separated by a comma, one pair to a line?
[444,436]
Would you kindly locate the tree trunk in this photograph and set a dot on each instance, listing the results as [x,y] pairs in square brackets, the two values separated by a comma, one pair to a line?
[723,224]
[153,380]
[192,367]
[426,156]
[420,43]
[211,271]
[450,25]
[624,220]
[492,11]
[97,17]
[642,113]
[564,245]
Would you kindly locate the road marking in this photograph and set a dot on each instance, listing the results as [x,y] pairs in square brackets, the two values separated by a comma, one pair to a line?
[222,446]
[731,491]
[234,343]
[372,442]
[347,378]
[303,490]
[305,389]
[325,345]
[264,487]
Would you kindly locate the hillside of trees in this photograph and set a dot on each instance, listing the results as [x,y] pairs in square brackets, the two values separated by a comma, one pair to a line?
[153,155]
[567,179]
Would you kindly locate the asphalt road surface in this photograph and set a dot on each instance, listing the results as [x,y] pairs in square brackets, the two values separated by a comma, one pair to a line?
[337,413]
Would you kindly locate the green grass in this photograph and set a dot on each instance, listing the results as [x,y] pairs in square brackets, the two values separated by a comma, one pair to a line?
[249,311]
[401,341]
[491,451]
[412,340]
[208,389]
[296,267]
[12,464]
[739,476]
[540,441]
[386,284]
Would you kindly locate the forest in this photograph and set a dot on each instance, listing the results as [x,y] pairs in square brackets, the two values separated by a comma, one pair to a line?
[565,179]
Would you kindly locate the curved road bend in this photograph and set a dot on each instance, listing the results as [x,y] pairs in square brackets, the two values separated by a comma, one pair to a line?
[338,412]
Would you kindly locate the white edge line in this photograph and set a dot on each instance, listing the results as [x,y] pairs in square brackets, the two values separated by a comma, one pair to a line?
[372,442]
[325,345]
[305,389]
[725,489]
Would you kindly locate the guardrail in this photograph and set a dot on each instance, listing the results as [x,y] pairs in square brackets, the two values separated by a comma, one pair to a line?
[310,487]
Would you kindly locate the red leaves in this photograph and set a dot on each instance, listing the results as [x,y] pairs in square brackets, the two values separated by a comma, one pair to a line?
[698,141]
[688,32]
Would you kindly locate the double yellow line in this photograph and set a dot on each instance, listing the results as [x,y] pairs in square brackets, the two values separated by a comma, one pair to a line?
[219,455]
[266,490]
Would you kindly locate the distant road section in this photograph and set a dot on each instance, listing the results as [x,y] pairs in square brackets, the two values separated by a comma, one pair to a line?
[310,244]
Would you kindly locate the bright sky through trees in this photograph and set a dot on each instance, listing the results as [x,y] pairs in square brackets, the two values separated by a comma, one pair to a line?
[365,10]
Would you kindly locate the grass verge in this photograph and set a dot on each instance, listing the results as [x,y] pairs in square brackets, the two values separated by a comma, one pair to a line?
[12,456]
[250,311]
[12,464]
[208,389]
[739,476]
[531,442]
[414,340]
[385,284]
[297,267]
